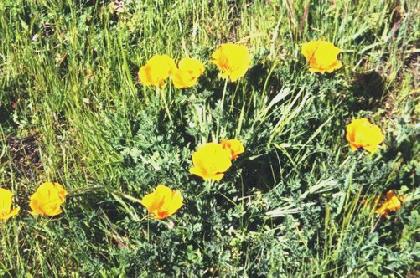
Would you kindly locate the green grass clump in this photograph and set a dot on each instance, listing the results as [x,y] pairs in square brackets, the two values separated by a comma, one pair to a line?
[297,203]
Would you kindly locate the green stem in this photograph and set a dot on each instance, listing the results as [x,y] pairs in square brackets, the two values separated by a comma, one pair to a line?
[221,109]
[224,93]
[233,98]
[104,190]
[163,98]
[128,197]
[83,191]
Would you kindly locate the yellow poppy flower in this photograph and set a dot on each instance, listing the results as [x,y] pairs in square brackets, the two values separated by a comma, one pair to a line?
[362,134]
[187,73]
[234,146]
[210,161]
[162,202]
[392,203]
[6,210]
[47,199]
[156,71]
[232,60]
[321,56]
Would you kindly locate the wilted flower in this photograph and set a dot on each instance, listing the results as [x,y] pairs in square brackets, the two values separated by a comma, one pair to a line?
[392,203]
[234,146]
[321,56]
[210,161]
[187,73]
[47,199]
[362,134]
[156,71]
[6,210]
[162,202]
[232,60]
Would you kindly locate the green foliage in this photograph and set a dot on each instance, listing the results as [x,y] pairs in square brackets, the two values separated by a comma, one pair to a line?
[298,202]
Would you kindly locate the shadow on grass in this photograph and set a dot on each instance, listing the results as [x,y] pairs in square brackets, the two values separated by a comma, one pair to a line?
[88,208]
[368,91]
[261,173]
[25,159]
[4,115]
[257,77]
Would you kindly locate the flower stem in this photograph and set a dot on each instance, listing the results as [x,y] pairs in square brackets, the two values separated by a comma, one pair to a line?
[104,190]
[221,109]
[163,98]
[224,93]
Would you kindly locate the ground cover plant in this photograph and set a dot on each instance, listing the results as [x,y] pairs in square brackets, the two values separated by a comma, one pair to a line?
[209,138]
